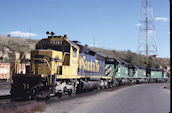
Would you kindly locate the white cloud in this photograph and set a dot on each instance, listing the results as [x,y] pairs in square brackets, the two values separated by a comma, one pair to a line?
[21,34]
[138,25]
[161,19]
[169,33]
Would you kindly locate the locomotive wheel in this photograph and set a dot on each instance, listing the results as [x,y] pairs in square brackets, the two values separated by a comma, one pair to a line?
[120,82]
[27,97]
[137,81]
[70,93]
[59,95]
[79,88]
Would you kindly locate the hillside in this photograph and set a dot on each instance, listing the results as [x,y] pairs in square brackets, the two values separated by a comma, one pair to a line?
[137,59]
[17,44]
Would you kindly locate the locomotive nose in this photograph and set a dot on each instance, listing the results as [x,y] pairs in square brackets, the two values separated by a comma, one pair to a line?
[44,62]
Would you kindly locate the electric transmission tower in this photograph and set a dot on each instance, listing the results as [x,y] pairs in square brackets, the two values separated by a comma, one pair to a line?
[147,37]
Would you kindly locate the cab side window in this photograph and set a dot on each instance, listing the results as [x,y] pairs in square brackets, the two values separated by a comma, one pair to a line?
[74,52]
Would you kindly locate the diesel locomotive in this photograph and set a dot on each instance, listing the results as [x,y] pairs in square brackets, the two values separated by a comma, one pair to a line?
[59,66]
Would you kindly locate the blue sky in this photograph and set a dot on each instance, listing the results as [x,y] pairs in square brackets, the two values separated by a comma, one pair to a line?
[111,23]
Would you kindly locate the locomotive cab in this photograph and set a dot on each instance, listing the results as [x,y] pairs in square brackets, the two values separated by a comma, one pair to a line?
[63,54]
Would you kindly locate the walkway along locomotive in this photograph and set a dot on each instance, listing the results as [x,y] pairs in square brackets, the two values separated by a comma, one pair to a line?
[59,66]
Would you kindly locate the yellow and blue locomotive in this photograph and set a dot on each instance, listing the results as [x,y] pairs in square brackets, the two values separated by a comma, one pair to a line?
[59,66]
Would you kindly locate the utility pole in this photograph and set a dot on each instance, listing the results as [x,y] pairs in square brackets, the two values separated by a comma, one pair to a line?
[94,43]
[147,38]
[29,32]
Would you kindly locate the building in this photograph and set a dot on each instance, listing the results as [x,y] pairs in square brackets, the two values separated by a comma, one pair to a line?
[4,71]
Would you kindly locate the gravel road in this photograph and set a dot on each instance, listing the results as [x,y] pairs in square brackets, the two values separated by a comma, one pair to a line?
[142,98]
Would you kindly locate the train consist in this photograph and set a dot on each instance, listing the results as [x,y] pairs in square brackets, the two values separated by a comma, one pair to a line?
[59,66]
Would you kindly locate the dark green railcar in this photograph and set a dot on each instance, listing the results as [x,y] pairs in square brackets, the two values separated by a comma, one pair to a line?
[139,74]
[158,75]
[118,69]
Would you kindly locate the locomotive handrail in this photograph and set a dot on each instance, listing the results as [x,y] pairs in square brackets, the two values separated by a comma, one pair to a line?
[47,64]
[43,59]
[65,53]
[17,61]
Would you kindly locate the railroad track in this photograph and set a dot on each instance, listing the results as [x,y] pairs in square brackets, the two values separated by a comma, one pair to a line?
[5,97]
